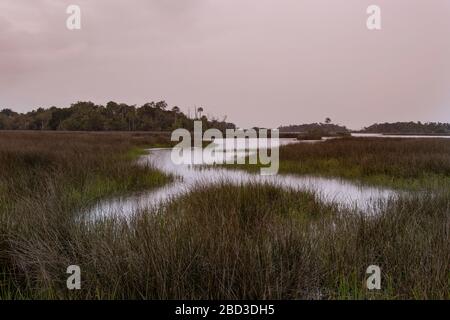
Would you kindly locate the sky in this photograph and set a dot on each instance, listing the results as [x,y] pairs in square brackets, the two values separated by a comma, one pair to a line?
[258,62]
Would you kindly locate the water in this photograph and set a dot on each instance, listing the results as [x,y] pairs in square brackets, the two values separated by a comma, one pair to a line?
[379,135]
[329,190]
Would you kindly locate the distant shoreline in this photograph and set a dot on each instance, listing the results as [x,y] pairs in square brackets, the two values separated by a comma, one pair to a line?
[405,134]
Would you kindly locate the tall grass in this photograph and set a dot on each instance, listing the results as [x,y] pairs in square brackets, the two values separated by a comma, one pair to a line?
[256,241]
[224,242]
[405,163]
[44,179]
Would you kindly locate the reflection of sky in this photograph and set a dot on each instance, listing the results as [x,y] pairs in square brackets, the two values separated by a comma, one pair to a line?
[223,150]
[343,193]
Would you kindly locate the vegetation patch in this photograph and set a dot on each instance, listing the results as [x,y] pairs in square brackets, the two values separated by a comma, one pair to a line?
[409,164]
[219,242]
[239,242]
[399,163]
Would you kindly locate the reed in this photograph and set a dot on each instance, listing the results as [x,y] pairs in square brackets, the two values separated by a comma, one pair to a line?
[400,163]
[220,242]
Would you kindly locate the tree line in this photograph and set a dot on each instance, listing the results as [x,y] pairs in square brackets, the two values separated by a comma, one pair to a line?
[409,128]
[326,127]
[88,116]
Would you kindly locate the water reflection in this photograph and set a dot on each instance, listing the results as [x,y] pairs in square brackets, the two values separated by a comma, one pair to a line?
[341,192]
[380,135]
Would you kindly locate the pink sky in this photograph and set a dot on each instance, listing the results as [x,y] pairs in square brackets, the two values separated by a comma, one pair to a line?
[260,62]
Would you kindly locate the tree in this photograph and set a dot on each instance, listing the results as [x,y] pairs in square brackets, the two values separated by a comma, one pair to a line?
[8,112]
[89,116]
[200,111]
[130,115]
[162,105]
[58,116]
[42,118]
[175,109]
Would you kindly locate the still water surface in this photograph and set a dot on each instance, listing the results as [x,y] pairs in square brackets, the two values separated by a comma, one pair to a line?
[329,190]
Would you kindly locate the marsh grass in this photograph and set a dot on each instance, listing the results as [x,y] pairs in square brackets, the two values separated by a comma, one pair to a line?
[45,178]
[409,164]
[395,162]
[217,242]
[261,242]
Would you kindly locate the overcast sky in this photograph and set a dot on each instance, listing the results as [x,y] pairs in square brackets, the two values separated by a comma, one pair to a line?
[260,62]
